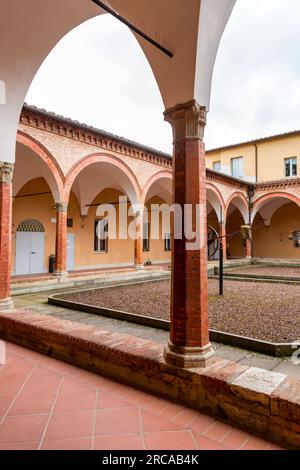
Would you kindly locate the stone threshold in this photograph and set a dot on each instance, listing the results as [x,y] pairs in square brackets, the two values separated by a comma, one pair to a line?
[243,342]
[265,403]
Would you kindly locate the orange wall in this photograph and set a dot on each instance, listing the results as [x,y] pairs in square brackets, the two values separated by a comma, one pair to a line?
[273,241]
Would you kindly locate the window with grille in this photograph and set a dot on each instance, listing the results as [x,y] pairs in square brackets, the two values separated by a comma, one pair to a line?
[101,236]
[30,225]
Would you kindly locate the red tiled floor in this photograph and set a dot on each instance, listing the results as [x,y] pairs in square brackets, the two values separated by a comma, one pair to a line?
[47,404]
[170,440]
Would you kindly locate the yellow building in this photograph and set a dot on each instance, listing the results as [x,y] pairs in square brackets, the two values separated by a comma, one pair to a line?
[270,158]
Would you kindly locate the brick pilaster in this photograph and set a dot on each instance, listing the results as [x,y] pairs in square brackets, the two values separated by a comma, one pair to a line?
[6,174]
[138,242]
[61,239]
[223,239]
[249,249]
[189,344]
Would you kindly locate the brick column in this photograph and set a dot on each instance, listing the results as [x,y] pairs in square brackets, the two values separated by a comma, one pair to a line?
[223,239]
[249,249]
[6,174]
[189,344]
[138,242]
[61,239]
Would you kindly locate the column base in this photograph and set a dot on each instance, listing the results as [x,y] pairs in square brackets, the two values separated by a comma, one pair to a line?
[139,267]
[189,358]
[6,304]
[61,274]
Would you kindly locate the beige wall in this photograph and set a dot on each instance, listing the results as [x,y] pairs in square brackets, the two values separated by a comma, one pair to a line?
[225,156]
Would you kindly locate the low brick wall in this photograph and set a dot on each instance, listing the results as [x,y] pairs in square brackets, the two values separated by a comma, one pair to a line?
[262,402]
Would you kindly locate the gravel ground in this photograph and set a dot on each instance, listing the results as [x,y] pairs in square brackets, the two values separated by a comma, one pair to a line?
[264,311]
[267,271]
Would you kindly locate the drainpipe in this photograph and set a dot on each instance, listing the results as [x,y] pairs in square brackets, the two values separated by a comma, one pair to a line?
[256,162]
[251,190]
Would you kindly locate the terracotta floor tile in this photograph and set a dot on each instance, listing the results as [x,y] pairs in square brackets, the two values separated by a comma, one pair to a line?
[68,444]
[32,403]
[208,444]
[117,421]
[75,400]
[105,400]
[186,417]
[120,442]
[255,443]
[170,440]
[5,402]
[171,411]
[217,431]
[235,439]
[22,428]
[70,425]
[152,422]
[201,424]
[20,446]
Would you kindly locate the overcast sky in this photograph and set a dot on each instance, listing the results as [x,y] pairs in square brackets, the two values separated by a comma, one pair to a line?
[98,75]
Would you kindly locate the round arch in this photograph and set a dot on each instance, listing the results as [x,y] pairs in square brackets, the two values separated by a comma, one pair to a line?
[165,177]
[215,198]
[279,199]
[55,177]
[129,181]
[239,200]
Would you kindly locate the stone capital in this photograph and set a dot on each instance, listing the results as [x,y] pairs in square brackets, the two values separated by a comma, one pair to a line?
[6,172]
[61,207]
[188,120]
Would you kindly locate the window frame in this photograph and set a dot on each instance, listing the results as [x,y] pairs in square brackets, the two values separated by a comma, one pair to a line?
[296,239]
[99,241]
[168,242]
[292,161]
[146,238]
[237,159]
[217,163]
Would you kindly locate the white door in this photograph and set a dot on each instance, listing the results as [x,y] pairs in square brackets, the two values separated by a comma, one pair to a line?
[71,252]
[36,252]
[23,253]
[29,252]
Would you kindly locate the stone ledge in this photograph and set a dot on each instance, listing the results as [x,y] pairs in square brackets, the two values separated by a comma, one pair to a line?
[264,403]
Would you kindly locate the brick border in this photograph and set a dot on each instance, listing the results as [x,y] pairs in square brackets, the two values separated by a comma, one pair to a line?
[262,402]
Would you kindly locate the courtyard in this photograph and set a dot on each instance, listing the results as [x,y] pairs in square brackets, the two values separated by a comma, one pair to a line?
[264,311]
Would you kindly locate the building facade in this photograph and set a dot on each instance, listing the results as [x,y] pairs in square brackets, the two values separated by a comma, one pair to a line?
[66,171]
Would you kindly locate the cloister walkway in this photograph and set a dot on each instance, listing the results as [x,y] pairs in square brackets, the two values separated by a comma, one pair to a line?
[48,404]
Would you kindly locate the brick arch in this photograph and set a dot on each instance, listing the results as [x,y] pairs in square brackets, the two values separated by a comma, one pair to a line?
[101,158]
[56,185]
[259,203]
[244,209]
[219,211]
[163,174]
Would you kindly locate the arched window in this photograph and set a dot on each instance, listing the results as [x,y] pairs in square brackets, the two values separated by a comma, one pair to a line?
[30,225]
